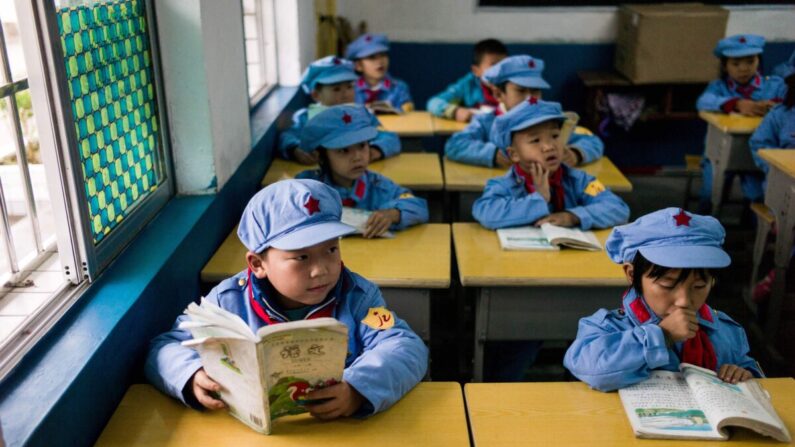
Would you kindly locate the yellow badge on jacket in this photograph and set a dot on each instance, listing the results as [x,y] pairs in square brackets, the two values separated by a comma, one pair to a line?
[594,188]
[379,318]
[406,195]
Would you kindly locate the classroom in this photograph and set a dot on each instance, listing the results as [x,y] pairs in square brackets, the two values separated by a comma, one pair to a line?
[406,222]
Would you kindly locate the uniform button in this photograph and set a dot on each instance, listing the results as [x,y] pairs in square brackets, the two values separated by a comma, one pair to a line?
[241,282]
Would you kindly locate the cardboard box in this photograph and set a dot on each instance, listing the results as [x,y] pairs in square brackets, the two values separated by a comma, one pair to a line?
[669,43]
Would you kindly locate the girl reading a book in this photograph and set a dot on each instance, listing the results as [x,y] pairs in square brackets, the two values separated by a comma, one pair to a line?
[670,258]
[340,134]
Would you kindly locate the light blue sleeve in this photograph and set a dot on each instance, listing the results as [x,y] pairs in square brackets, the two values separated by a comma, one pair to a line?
[392,362]
[413,210]
[590,146]
[733,335]
[607,357]
[499,208]
[400,94]
[443,104]
[713,97]
[291,138]
[766,136]
[778,88]
[604,210]
[472,145]
[387,142]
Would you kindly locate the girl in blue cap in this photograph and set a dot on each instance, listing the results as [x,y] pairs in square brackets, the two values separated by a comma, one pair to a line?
[670,258]
[370,54]
[291,230]
[340,135]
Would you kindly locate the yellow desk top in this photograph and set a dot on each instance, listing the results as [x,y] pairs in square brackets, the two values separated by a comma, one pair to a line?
[732,123]
[431,414]
[481,262]
[418,257]
[409,124]
[783,159]
[444,126]
[571,414]
[463,177]
[416,171]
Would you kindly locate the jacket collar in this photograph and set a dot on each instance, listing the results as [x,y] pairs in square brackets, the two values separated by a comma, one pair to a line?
[386,84]
[353,195]
[636,309]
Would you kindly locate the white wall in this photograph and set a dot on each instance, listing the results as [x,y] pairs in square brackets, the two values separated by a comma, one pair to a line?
[296,26]
[462,21]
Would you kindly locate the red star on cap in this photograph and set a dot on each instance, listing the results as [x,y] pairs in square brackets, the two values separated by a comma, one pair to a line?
[682,218]
[336,61]
[312,205]
[346,118]
[742,39]
[368,38]
[531,64]
[532,100]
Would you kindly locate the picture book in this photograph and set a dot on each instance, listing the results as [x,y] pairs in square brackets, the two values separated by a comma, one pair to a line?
[357,218]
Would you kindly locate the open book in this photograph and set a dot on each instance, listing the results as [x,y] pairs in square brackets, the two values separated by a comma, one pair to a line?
[383,107]
[268,374]
[696,404]
[548,237]
[357,218]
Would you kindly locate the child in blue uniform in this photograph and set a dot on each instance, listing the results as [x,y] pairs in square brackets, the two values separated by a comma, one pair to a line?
[670,259]
[741,89]
[370,54]
[462,99]
[340,135]
[329,81]
[513,80]
[291,231]
[539,188]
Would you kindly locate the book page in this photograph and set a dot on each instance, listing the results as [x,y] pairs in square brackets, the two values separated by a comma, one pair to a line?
[663,407]
[524,238]
[571,237]
[357,218]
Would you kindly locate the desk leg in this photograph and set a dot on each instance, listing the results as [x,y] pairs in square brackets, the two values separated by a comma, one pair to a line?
[482,298]
[716,149]
[781,190]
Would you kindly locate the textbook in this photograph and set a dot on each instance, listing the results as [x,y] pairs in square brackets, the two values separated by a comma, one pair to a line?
[383,107]
[548,237]
[696,404]
[357,218]
[266,375]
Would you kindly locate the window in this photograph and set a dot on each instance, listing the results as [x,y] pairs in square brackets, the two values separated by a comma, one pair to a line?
[260,38]
[97,147]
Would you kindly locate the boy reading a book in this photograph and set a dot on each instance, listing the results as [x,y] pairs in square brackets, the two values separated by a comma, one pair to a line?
[340,135]
[670,259]
[295,271]
[539,188]
[370,54]
[329,81]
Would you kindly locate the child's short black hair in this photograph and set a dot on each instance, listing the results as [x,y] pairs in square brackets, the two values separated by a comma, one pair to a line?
[789,98]
[502,86]
[487,46]
[322,160]
[642,266]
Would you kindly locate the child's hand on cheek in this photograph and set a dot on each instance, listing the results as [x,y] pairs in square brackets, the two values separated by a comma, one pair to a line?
[561,219]
[342,401]
[380,221]
[733,373]
[205,390]
[680,325]
[306,158]
[540,180]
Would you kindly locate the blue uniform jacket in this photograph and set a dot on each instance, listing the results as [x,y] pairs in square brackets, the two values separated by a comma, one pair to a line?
[719,91]
[382,365]
[465,92]
[615,349]
[373,191]
[391,89]
[387,142]
[472,145]
[777,131]
[506,203]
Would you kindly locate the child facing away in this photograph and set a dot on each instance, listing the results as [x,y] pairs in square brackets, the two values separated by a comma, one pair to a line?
[741,89]
[513,80]
[469,95]
[370,54]
[670,258]
[539,187]
[291,230]
[329,81]
[340,135]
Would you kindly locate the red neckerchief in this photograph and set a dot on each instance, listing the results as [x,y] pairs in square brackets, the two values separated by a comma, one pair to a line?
[488,97]
[358,189]
[372,93]
[555,186]
[322,311]
[748,89]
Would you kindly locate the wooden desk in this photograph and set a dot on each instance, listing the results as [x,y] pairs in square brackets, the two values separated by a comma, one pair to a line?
[431,414]
[532,295]
[444,126]
[571,414]
[416,171]
[780,198]
[409,124]
[406,268]
[727,149]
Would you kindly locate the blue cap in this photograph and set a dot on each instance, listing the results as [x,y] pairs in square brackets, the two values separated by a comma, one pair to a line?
[329,70]
[522,70]
[740,45]
[290,215]
[338,127]
[670,238]
[366,45]
[528,113]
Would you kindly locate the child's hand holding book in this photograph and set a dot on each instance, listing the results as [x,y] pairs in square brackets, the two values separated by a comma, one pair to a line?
[338,400]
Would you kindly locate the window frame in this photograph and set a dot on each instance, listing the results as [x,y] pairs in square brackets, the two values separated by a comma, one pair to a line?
[268,59]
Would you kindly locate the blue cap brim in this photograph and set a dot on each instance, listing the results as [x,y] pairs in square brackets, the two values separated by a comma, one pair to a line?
[312,235]
[530,82]
[349,138]
[687,256]
[742,52]
[374,49]
[537,120]
[336,78]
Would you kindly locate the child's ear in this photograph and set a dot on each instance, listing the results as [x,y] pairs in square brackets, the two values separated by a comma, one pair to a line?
[498,94]
[513,155]
[476,70]
[358,66]
[256,264]
[628,271]
[315,95]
